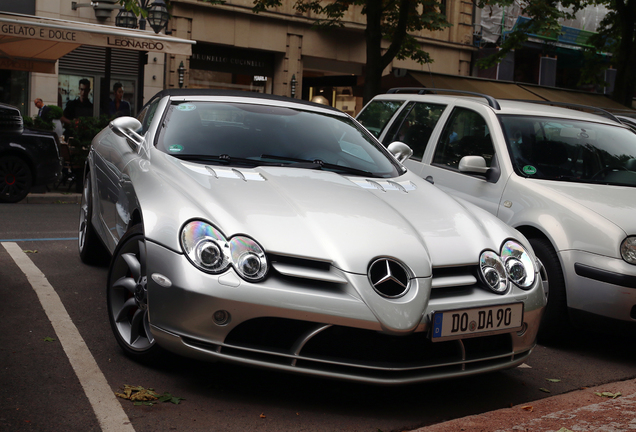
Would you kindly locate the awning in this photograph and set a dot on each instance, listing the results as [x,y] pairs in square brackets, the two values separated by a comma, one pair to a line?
[496,89]
[514,90]
[35,43]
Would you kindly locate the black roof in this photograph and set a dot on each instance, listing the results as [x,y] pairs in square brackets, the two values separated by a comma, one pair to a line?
[236,93]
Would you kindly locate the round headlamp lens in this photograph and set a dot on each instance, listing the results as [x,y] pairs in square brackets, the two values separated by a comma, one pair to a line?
[493,272]
[248,258]
[205,247]
[628,249]
[519,266]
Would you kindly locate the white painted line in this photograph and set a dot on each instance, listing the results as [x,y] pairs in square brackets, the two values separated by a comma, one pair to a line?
[110,414]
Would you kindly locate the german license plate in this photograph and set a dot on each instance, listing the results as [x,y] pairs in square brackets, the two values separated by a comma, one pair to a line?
[464,323]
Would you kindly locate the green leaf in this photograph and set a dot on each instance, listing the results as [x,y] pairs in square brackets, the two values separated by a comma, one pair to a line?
[609,394]
[545,390]
[553,379]
[49,339]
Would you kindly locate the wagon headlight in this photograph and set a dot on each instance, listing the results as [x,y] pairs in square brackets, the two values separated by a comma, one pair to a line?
[248,258]
[205,246]
[518,264]
[493,272]
[628,249]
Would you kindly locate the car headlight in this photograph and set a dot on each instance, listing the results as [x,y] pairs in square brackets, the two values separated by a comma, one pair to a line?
[493,272]
[205,246]
[518,264]
[209,250]
[248,258]
[628,249]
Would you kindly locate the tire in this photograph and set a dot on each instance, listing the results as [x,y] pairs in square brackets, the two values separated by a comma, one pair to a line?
[556,322]
[15,179]
[91,248]
[127,298]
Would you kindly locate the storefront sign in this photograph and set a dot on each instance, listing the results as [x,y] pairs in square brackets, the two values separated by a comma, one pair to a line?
[234,60]
[27,65]
[18,36]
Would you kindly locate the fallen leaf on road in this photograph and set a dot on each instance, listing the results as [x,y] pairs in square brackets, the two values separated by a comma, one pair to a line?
[609,394]
[49,339]
[262,415]
[142,396]
[545,390]
[553,379]
[564,429]
[528,408]
[29,251]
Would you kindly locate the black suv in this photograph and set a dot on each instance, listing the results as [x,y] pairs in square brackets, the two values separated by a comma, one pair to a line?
[27,157]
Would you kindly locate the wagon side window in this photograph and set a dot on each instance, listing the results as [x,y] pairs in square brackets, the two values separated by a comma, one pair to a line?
[466,133]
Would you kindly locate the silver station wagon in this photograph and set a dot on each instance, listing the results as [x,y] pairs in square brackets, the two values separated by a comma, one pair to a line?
[565,178]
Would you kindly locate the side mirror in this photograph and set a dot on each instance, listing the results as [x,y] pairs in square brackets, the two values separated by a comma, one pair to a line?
[473,164]
[126,127]
[400,150]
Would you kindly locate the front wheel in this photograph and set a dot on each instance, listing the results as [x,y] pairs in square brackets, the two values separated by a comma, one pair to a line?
[15,179]
[556,321]
[127,297]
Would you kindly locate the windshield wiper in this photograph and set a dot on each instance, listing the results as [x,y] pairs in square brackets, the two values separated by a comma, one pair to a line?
[318,164]
[224,159]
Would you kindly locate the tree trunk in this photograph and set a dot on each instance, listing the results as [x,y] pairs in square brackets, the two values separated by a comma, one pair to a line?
[625,84]
[373,36]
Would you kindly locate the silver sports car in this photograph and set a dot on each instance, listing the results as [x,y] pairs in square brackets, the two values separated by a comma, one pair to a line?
[278,233]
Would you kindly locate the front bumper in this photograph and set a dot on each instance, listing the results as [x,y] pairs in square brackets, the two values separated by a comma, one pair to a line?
[600,285]
[322,328]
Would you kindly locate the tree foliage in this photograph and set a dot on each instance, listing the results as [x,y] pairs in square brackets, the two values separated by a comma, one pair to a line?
[616,36]
[394,21]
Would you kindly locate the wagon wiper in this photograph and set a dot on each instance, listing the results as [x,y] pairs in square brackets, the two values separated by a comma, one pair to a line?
[318,164]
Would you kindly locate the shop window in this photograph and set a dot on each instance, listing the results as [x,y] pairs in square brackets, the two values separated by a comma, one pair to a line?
[14,89]
[69,90]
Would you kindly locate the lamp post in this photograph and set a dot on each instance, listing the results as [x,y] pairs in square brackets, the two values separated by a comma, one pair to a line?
[157,16]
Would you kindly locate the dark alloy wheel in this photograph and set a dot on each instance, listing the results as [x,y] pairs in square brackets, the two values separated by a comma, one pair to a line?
[15,179]
[91,249]
[127,297]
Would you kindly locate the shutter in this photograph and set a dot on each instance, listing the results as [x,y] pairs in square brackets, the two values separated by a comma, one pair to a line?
[93,60]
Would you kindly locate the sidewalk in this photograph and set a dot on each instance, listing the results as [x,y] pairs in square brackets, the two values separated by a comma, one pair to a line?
[60,195]
[581,410]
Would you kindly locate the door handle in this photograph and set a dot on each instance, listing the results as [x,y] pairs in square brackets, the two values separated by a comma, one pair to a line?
[430,179]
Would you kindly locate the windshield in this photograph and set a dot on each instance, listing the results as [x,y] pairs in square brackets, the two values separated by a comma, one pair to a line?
[571,150]
[246,134]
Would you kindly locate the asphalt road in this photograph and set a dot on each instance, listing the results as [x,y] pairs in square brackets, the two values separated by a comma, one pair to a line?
[40,390]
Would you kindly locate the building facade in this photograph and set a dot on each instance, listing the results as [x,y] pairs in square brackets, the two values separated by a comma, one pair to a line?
[278,51]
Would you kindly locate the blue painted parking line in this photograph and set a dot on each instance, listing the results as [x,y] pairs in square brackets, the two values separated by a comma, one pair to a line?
[37,239]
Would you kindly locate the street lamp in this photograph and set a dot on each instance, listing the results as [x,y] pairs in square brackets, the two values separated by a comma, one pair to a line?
[157,16]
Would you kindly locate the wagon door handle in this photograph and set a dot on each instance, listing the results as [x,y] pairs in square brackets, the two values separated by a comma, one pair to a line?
[430,179]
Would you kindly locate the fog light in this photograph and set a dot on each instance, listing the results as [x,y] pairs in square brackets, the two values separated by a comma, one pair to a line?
[221,317]
[523,330]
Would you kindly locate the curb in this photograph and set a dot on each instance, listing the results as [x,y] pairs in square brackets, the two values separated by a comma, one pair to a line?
[580,410]
[52,198]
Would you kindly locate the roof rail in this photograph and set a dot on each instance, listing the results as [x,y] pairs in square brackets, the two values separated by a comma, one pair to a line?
[593,110]
[492,102]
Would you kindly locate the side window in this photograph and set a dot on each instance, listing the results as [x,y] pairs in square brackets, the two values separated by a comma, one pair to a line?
[146,115]
[417,127]
[465,134]
[377,114]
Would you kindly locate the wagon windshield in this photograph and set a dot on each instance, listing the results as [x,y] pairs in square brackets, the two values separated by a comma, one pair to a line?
[224,132]
[571,150]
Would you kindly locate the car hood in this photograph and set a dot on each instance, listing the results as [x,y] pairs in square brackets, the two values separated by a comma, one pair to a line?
[321,215]
[615,203]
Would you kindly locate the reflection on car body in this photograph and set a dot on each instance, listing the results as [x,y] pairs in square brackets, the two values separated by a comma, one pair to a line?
[278,233]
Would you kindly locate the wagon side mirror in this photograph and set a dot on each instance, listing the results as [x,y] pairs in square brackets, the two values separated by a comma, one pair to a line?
[400,150]
[126,127]
[477,165]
